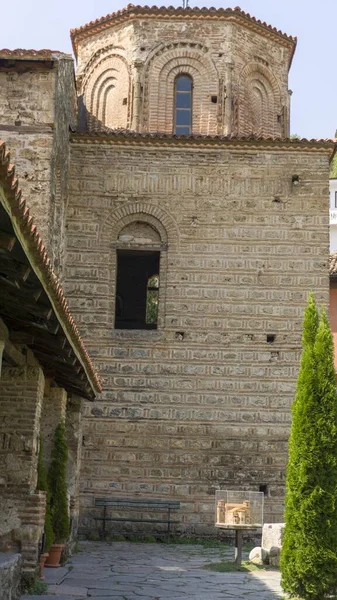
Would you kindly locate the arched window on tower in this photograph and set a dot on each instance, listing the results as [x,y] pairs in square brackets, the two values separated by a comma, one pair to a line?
[183,92]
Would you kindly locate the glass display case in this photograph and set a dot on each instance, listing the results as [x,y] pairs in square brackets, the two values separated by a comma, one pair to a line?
[238,509]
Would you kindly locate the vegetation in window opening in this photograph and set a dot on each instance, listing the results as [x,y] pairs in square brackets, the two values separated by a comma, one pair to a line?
[152,300]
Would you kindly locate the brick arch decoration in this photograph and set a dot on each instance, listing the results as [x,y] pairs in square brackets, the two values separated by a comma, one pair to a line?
[160,71]
[147,213]
[106,92]
[260,108]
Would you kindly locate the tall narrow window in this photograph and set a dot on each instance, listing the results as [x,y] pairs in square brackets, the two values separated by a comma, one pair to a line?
[183,105]
[137,289]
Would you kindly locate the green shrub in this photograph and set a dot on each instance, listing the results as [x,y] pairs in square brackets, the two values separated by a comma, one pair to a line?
[309,552]
[58,486]
[42,484]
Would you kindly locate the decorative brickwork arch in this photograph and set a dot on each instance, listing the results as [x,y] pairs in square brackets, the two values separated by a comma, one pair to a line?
[160,72]
[260,107]
[147,213]
[106,93]
[101,53]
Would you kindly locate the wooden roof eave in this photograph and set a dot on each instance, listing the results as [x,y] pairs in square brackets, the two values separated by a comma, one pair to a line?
[86,387]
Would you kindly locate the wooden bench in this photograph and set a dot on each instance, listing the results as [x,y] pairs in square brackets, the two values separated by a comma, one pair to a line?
[137,504]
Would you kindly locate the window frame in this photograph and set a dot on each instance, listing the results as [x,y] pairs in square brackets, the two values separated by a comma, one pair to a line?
[175,109]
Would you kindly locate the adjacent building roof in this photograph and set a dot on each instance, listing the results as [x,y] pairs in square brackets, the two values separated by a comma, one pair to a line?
[32,302]
[24,54]
[131,11]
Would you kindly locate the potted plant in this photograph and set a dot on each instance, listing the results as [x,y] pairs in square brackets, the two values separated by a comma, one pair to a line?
[42,485]
[58,496]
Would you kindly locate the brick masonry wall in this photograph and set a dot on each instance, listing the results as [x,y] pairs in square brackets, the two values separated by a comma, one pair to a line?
[204,401]
[132,67]
[20,404]
[22,508]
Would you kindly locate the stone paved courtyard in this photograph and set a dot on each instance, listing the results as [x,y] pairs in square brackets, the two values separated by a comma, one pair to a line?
[134,571]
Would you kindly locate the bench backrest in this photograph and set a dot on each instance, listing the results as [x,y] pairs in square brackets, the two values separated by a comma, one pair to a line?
[138,502]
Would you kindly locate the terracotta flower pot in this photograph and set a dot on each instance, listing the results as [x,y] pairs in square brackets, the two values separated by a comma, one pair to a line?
[53,559]
[43,559]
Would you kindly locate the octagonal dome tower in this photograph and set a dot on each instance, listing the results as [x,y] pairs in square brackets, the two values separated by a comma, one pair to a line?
[183,71]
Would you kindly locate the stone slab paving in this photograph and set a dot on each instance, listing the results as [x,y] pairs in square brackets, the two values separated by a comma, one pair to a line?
[131,571]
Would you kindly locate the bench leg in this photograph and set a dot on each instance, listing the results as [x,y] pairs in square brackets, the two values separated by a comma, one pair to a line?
[104,518]
[169,526]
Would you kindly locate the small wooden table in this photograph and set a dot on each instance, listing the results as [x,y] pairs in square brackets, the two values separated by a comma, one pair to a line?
[238,537]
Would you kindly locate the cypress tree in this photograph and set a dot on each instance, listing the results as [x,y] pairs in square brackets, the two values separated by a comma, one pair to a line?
[58,486]
[309,552]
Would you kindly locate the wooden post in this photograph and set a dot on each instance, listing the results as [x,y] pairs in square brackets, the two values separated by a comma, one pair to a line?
[238,547]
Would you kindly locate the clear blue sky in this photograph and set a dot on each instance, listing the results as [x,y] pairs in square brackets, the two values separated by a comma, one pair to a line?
[313,78]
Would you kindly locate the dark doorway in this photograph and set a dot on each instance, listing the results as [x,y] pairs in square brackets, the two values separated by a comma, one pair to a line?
[137,289]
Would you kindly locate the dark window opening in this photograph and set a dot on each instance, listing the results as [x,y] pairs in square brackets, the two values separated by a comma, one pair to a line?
[183,105]
[125,101]
[214,99]
[263,488]
[137,289]
[271,338]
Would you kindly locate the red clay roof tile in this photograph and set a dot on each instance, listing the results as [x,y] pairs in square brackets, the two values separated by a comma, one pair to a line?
[190,12]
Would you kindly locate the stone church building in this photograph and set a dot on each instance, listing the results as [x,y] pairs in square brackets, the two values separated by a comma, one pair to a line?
[187,229]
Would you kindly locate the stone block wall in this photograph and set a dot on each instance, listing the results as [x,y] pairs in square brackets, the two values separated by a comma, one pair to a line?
[204,401]
[10,576]
[37,108]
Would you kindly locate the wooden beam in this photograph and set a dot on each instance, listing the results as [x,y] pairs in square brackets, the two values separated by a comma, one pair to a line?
[7,241]
[9,300]
[21,338]
[23,321]
[13,269]
[69,364]
[13,283]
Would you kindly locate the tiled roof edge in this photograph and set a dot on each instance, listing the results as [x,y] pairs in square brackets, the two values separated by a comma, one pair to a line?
[30,54]
[40,260]
[132,9]
[198,139]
